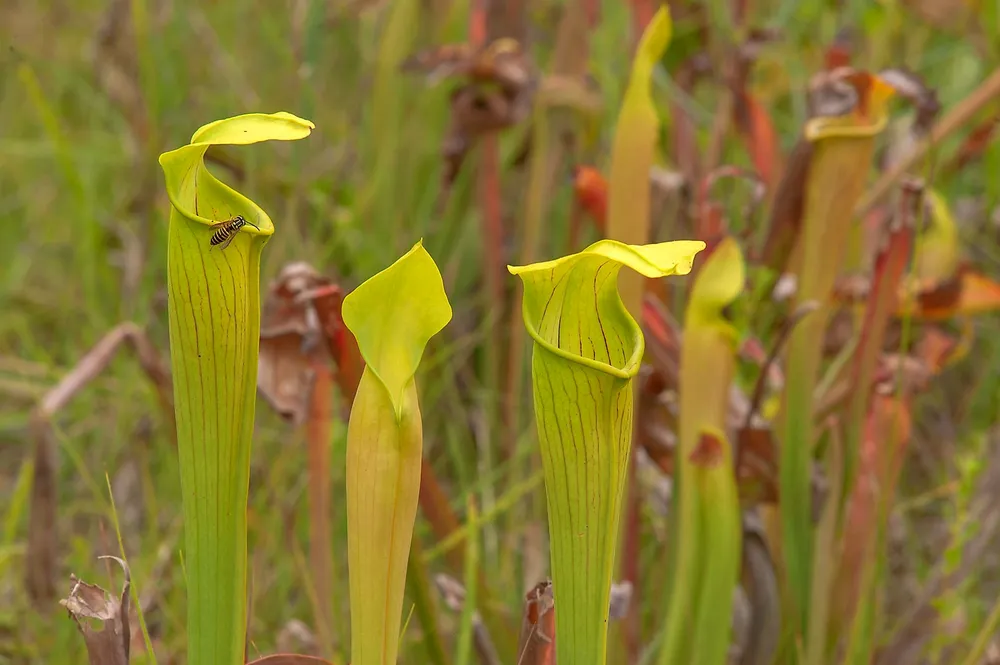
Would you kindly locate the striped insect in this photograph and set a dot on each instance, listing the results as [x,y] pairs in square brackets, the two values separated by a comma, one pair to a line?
[227,229]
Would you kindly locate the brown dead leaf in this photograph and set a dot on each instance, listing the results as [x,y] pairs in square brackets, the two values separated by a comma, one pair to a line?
[685,149]
[108,645]
[300,331]
[498,84]
[969,292]
[757,465]
[537,643]
[912,87]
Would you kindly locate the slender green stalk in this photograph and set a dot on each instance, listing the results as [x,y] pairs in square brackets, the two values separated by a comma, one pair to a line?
[419,586]
[463,646]
[824,566]
[983,637]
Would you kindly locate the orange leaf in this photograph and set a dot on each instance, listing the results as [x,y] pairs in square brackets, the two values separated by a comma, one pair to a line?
[887,434]
[935,348]
[757,131]
[591,190]
[970,292]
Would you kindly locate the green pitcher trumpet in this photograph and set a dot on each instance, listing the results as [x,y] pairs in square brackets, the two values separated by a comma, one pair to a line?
[214,312]
[587,351]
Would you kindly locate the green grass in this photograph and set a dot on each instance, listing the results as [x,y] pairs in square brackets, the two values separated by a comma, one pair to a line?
[75,218]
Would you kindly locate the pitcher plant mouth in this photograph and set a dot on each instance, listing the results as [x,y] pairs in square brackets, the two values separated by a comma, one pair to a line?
[866,119]
[189,180]
[198,177]
[604,259]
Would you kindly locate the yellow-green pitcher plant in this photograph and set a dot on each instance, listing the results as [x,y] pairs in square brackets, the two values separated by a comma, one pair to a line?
[392,315]
[215,240]
[586,353]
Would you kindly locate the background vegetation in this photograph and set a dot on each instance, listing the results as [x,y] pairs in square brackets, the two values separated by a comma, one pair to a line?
[91,92]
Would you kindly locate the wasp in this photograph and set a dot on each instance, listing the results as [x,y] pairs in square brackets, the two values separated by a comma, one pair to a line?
[227,229]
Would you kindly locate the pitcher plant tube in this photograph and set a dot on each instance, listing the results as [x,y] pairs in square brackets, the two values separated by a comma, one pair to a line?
[705,541]
[214,312]
[392,315]
[842,147]
[587,351]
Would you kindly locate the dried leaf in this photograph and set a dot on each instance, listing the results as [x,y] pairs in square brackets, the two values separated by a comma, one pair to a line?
[108,645]
[503,62]
[970,292]
[912,87]
[537,643]
[301,329]
[498,86]
[757,465]
[685,150]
